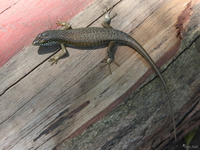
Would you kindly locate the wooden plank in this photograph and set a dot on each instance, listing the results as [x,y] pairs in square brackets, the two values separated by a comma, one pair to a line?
[41,105]
[21,19]
[135,124]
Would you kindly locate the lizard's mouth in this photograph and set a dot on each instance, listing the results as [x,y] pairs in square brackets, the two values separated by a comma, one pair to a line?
[37,42]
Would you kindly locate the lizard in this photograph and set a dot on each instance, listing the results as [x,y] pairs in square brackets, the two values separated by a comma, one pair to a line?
[93,37]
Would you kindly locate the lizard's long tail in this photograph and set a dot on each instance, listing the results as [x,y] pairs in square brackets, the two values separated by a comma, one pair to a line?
[136,46]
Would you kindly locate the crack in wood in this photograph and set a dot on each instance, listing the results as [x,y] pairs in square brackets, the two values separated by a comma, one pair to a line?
[103,13]
[57,123]
[48,139]
[5,90]
[8,7]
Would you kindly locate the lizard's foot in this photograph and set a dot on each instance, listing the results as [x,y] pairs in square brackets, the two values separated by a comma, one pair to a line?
[108,18]
[54,59]
[108,62]
[107,13]
[65,24]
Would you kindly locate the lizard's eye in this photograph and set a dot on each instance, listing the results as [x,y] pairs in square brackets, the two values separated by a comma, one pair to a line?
[39,35]
[45,35]
[42,35]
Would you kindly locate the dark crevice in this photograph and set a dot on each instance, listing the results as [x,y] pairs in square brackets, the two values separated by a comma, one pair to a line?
[103,13]
[26,74]
[8,7]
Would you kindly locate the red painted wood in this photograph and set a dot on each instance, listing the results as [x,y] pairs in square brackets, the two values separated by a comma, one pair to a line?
[21,21]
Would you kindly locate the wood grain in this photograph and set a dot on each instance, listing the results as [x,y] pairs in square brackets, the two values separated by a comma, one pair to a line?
[22,19]
[42,105]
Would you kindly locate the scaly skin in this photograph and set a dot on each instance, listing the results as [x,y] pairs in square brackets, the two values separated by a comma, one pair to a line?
[81,37]
[92,37]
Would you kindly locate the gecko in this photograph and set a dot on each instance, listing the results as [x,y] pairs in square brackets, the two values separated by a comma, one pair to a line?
[93,37]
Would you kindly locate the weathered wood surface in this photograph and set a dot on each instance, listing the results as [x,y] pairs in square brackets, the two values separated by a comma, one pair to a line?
[42,105]
[22,19]
[133,125]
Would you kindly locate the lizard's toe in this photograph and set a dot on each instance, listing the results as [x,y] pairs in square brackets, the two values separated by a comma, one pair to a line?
[54,60]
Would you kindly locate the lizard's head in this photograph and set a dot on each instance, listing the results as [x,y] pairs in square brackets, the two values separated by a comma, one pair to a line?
[45,39]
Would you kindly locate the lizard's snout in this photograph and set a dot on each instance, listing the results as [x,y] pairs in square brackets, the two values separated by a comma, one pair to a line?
[35,42]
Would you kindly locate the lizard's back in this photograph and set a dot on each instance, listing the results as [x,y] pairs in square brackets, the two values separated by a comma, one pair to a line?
[86,37]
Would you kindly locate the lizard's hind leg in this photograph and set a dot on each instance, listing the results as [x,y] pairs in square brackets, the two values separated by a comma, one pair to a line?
[111,53]
[110,50]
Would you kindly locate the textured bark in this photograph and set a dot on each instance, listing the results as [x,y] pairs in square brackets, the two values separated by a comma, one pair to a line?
[42,105]
[142,122]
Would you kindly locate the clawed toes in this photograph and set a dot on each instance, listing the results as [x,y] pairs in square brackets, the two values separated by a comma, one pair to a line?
[108,62]
[107,12]
[54,60]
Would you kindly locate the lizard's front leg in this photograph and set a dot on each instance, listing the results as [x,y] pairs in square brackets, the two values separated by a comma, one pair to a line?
[54,59]
[65,24]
